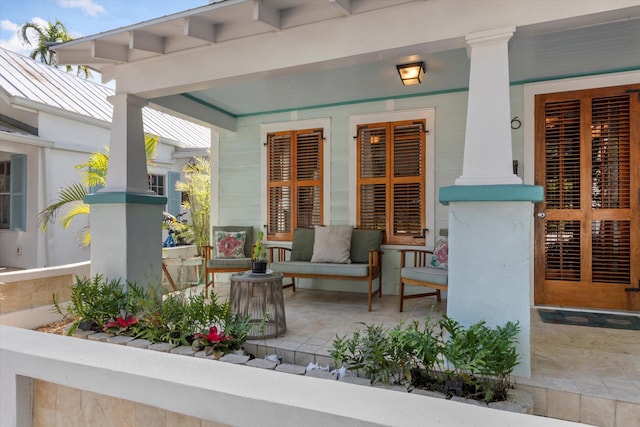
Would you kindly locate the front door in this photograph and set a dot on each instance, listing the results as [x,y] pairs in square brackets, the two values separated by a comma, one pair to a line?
[587,230]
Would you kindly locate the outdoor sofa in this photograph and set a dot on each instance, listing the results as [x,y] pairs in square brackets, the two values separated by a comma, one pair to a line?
[339,252]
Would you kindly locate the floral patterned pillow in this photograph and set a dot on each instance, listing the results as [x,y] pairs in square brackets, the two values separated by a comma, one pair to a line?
[440,257]
[230,244]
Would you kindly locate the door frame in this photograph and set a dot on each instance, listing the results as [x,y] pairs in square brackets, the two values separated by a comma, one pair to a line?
[530,90]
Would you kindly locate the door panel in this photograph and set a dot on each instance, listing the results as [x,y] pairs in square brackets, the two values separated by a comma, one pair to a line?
[587,231]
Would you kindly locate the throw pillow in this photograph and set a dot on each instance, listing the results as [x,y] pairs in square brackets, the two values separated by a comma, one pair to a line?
[230,244]
[332,244]
[302,246]
[440,257]
[362,241]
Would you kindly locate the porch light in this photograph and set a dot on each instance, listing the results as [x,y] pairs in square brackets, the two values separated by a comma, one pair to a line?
[411,74]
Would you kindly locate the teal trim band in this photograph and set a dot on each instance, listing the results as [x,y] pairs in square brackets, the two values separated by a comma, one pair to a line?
[491,193]
[124,197]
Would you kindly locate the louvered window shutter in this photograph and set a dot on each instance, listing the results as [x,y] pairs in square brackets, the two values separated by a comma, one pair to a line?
[279,185]
[391,174]
[408,182]
[309,178]
[294,161]
[372,177]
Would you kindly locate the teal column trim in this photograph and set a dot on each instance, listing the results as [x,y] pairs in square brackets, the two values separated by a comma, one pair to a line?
[491,193]
[124,197]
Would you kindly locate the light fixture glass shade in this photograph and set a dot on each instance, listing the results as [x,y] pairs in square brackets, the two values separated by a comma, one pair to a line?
[411,74]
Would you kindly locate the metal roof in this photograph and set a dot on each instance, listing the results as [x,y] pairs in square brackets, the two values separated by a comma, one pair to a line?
[22,77]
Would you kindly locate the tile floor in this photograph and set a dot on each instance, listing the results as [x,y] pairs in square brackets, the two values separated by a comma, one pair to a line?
[603,363]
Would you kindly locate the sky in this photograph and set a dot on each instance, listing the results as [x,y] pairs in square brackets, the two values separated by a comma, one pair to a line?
[81,17]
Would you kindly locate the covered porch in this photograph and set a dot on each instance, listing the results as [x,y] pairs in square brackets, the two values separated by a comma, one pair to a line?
[251,69]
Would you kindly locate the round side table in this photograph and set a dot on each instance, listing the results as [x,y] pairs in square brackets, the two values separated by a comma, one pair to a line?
[259,296]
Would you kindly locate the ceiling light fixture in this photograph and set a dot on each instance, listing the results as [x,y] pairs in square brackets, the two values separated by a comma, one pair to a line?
[411,74]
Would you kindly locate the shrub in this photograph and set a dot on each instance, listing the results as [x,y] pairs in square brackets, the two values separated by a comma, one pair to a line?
[95,302]
[130,310]
[474,362]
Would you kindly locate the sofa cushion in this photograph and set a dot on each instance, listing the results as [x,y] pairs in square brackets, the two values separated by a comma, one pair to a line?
[229,244]
[316,268]
[332,244]
[425,274]
[362,241]
[302,246]
[248,242]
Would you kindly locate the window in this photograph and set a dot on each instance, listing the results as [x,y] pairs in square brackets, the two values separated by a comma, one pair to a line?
[294,181]
[5,193]
[391,180]
[13,185]
[156,184]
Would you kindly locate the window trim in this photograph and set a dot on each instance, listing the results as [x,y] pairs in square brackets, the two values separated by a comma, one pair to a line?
[427,114]
[294,125]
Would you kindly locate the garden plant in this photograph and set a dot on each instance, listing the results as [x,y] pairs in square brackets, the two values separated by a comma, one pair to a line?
[474,362]
[127,309]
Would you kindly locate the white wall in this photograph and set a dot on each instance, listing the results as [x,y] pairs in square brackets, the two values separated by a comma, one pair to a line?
[20,248]
[217,391]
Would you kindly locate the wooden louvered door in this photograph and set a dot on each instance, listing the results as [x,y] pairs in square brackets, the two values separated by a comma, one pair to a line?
[587,231]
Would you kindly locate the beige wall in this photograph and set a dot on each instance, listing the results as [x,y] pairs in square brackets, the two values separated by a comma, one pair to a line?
[27,294]
[57,405]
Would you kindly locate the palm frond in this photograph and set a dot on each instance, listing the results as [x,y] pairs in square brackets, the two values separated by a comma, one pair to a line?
[77,209]
[73,194]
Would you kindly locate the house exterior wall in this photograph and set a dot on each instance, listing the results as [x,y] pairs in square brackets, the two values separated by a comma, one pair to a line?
[20,248]
[241,197]
[64,140]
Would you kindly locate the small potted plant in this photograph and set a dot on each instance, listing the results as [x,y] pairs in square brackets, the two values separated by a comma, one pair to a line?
[259,257]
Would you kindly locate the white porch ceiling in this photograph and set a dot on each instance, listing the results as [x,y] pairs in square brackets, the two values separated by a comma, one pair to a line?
[589,44]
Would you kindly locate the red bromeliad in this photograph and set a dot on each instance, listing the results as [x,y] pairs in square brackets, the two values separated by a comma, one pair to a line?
[213,336]
[121,323]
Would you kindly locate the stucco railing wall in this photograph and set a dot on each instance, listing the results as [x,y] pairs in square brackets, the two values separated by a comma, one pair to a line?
[215,393]
[27,294]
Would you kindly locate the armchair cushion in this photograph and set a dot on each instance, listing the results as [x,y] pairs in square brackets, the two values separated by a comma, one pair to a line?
[425,274]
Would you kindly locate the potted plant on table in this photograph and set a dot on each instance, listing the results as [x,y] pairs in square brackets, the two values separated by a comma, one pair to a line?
[259,256]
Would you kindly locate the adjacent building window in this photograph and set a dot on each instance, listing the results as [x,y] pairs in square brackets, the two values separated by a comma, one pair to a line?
[13,188]
[5,193]
[294,181]
[391,180]
[156,184]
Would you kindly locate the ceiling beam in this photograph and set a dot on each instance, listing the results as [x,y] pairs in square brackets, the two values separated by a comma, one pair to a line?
[109,51]
[190,109]
[199,28]
[78,57]
[265,14]
[146,41]
[344,6]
